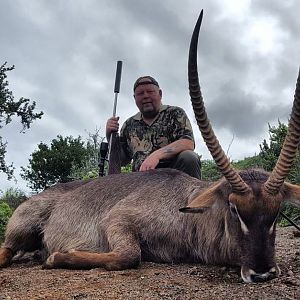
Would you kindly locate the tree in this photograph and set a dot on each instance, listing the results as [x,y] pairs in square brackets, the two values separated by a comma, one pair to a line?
[5,214]
[269,153]
[49,165]
[251,162]
[89,167]
[13,197]
[9,108]
[210,170]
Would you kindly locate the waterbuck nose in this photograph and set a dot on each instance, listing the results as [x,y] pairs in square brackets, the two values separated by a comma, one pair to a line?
[263,277]
[249,275]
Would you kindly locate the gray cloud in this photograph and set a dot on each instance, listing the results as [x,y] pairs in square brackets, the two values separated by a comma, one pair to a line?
[242,114]
[65,54]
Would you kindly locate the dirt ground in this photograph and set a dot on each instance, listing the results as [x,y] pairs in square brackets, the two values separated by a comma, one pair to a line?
[155,281]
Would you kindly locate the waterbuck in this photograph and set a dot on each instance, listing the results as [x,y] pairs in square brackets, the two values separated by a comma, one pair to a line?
[117,221]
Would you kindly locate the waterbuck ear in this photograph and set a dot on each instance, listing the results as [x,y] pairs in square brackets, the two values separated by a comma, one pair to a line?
[206,199]
[292,193]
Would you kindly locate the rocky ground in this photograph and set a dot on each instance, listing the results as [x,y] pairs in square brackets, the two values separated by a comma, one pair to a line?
[155,281]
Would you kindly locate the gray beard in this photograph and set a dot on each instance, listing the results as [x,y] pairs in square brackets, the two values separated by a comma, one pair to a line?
[150,114]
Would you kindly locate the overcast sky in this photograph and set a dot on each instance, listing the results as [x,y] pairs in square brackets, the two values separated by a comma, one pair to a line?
[65,54]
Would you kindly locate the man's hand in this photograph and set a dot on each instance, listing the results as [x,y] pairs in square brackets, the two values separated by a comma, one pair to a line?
[112,125]
[150,162]
[166,152]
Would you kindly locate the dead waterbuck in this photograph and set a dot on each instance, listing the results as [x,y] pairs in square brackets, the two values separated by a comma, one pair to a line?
[116,221]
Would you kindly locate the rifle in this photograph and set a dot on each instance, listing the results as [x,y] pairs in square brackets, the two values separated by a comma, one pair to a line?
[114,148]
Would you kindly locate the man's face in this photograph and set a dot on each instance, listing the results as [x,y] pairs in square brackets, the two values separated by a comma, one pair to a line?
[148,99]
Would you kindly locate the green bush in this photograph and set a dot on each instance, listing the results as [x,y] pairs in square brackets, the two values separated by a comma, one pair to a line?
[291,212]
[210,171]
[90,174]
[13,197]
[5,214]
[126,169]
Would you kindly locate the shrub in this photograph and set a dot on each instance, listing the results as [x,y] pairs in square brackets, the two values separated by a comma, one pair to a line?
[13,197]
[5,214]
[210,171]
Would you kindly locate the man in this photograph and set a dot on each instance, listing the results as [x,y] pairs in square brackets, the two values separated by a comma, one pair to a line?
[158,136]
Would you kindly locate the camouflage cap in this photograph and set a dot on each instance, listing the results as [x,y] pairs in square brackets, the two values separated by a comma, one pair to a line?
[151,81]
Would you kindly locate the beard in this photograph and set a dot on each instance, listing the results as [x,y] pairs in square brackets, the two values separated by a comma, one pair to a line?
[150,113]
[149,110]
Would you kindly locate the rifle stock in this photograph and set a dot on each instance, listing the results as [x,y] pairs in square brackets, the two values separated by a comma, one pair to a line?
[114,163]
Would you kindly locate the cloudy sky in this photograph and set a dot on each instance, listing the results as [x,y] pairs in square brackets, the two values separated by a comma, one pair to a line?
[65,54]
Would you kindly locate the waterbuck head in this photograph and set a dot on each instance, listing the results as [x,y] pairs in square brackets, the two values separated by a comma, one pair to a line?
[252,198]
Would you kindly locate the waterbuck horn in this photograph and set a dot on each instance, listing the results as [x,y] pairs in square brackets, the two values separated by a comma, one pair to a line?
[289,148]
[222,161]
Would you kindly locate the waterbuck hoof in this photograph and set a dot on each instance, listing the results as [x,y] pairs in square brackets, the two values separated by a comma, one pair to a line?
[50,263]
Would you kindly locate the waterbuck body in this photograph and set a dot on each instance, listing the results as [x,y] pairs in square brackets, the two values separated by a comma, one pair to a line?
[164,215]
[134,217]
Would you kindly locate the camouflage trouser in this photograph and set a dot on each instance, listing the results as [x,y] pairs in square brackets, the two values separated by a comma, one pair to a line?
[187,161]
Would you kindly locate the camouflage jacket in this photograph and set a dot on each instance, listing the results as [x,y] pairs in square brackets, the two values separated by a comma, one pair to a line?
[139,139]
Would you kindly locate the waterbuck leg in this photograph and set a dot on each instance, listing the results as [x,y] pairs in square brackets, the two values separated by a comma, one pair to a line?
[6,256]
[125,253]
[88,260]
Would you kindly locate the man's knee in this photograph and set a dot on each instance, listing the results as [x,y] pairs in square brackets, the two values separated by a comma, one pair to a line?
[189,157]
[189,162]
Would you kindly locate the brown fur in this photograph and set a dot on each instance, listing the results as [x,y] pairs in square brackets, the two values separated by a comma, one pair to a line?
[116,221]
